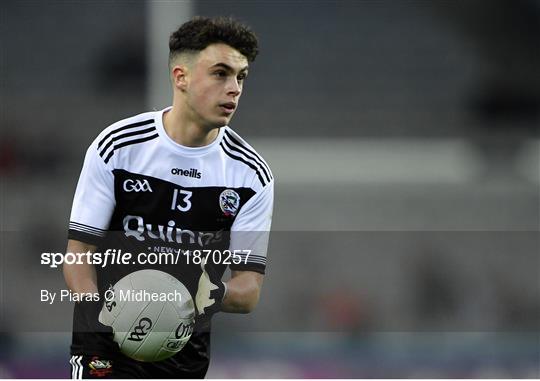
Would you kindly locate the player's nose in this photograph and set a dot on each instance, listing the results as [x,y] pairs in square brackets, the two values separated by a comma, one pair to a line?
[234,87]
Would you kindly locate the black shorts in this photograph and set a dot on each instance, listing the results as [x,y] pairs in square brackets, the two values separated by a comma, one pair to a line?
[83,367]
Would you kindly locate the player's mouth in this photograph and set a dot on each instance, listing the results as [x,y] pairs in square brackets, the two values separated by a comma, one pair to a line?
[228,107]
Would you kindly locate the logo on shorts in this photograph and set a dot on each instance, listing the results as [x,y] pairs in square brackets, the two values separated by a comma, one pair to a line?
[229,201]
[100,368]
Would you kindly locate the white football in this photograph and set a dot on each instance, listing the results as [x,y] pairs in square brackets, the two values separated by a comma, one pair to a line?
[151,313]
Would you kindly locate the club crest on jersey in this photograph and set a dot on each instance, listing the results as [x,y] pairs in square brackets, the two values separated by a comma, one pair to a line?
[229,201]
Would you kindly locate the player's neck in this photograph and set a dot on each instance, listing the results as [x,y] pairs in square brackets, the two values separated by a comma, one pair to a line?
[185,131]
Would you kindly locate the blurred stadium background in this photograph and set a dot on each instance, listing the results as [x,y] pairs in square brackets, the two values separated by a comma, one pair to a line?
[404,139]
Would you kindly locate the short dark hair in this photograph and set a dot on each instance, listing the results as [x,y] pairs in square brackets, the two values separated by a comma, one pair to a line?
[196,34]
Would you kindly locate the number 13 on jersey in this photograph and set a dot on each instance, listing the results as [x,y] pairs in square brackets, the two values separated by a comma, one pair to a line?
[184,203]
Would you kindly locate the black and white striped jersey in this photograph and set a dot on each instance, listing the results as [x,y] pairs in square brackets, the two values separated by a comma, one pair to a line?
[138,182]
[140,191]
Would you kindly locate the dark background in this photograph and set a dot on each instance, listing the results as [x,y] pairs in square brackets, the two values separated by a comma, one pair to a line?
[403,136]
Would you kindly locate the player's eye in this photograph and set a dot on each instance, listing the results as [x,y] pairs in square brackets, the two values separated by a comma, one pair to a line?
[220,73]
[242,76]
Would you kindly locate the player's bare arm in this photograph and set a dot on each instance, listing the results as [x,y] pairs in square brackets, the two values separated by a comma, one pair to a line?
[243,291]
[80,278]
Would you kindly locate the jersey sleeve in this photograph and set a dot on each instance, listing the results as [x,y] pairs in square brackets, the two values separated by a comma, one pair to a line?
[250,232]
[94,200]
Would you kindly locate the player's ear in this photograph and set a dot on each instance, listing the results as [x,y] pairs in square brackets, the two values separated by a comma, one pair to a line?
[179,77]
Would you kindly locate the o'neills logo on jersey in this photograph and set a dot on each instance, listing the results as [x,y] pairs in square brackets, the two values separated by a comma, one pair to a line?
[192,172]
[135,227]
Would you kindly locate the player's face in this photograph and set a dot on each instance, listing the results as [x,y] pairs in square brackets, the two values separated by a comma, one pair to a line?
[214,84]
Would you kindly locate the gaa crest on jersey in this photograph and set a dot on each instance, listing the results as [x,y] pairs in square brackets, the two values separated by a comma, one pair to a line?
[229,201]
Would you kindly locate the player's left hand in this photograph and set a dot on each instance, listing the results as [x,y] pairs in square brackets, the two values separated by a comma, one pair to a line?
[210,293]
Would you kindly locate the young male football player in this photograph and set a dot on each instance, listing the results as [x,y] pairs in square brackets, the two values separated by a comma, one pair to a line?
[178,178]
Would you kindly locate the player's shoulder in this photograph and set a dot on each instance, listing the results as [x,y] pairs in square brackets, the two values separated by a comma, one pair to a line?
[129,131]
[238,149]
[130,125]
